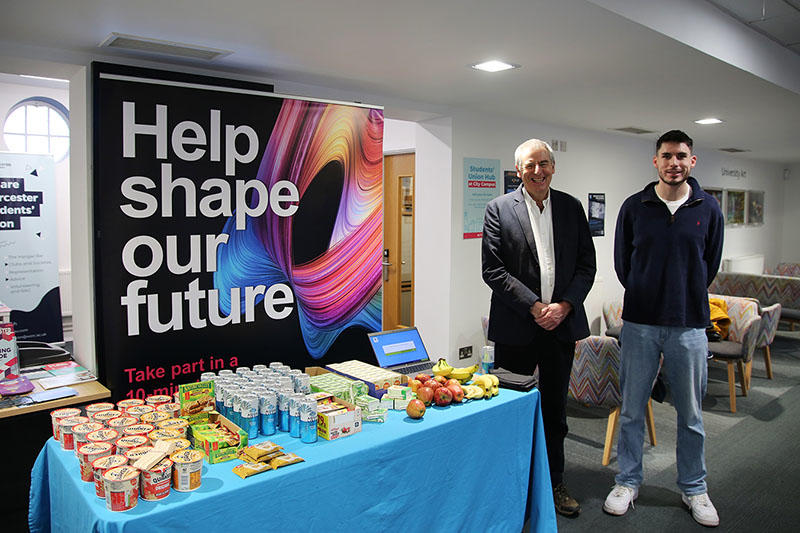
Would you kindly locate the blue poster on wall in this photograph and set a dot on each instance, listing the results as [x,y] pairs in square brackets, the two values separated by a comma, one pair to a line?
[29,246]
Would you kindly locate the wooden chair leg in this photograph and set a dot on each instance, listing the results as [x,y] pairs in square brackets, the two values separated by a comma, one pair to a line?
[732,386]
[748,373]
[742,377]
[651,424]
[611,429]
[768,361]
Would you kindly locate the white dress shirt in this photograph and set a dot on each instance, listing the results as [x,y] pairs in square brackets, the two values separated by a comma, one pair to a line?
[542,226]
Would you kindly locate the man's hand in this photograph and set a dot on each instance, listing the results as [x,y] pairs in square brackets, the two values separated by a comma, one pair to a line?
[551,315]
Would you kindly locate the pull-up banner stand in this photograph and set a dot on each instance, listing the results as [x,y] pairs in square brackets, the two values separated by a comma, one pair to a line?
[233,226]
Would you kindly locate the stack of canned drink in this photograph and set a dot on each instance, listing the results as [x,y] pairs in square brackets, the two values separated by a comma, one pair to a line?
[266,399]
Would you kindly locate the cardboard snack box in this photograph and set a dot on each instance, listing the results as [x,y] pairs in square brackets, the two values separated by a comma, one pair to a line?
[338,423]
[217,450]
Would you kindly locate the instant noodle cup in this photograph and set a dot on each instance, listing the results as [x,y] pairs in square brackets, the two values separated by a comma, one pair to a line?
[163,434]
[172,408]
[61,413]
[181,444]
[122,422]
[105,416]
[130,442]
[100,466]
[139,410]
[179,424]
[155,417]
[65,426]
[157,399]
[88,453]
[93,408]
[155,482]
[104,435]
[135,454]
[80,431]
[186,470]
[121,487]
[138,429]
[123,405]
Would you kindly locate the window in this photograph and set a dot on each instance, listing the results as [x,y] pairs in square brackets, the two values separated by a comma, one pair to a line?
[38,125]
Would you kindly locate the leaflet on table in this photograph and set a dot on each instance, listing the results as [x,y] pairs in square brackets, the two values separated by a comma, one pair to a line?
[67,379]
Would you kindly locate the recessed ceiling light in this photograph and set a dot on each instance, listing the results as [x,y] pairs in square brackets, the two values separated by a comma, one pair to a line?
[709,120]
[494,66]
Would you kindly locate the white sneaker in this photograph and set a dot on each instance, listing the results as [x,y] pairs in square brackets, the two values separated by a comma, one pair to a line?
[619,499]
[703,510]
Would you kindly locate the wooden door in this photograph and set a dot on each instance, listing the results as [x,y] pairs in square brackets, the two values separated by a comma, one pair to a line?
[398,241]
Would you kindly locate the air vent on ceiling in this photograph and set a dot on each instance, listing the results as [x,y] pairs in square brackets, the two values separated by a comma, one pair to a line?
[733,150]
[156,46]
[633,129]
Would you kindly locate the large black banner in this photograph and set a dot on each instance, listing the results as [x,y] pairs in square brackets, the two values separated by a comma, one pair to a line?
[232,227]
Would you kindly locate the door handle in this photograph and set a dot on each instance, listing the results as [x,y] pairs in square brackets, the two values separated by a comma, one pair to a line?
[386,270]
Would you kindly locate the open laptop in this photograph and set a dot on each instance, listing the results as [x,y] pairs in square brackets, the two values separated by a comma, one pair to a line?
[401,351]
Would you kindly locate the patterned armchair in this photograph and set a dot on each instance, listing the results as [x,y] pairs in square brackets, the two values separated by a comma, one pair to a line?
[595,382]
[612,315]
[787,269]
[770,317]
[741,343]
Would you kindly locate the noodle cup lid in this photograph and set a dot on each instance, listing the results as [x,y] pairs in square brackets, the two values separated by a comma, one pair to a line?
[109,461]
[158,398]
[103,435]
[132,441]
[155,417]
[122,421]
[137,453]
[138,429]
[162,434]
[169,407]
[100,406]
[64,413]
[181,444]
[93,448]
[139,409]
[187,456]
[72,421]
[162,466]
[121,473]
[173,423]
[102,416]
[87,427]
[124,404]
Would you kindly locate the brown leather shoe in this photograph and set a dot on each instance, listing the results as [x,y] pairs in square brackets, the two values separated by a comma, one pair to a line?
[566,505]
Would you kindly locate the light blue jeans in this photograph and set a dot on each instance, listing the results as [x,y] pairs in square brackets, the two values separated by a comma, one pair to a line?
[686,370]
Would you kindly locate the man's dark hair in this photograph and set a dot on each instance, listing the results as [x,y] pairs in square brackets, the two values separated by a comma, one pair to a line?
[674,136]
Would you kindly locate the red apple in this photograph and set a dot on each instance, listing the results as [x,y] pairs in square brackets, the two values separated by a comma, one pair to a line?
[422,378]
[458,393]
[425,394]
[414,384]
[442,396]
[452,381]
[433,384]
[441,379]
[415,409]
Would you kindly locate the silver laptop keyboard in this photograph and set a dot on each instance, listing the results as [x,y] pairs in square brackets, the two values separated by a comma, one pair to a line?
[413,369]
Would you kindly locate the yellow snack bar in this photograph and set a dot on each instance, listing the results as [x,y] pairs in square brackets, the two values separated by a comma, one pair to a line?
[258,452]
[246,470]
[284,460]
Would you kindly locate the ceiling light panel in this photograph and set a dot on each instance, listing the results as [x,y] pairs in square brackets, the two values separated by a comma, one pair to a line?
[494,66]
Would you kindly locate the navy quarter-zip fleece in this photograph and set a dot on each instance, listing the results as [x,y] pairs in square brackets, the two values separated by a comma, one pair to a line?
[666,262]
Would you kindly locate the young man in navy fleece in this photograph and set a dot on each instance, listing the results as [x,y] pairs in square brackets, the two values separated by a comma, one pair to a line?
[667,250]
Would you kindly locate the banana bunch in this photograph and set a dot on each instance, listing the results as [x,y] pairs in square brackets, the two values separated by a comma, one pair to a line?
[473,392]
[488,383]
[442,368]
[463,374]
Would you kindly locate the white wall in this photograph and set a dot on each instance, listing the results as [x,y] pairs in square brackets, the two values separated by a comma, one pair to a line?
[790,236]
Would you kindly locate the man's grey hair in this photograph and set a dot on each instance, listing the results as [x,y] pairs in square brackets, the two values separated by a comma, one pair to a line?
[525,147]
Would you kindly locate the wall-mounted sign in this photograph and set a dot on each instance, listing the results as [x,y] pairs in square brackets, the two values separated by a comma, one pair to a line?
[481,177]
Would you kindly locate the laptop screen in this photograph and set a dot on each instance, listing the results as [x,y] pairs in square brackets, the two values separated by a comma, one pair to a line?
[397,347]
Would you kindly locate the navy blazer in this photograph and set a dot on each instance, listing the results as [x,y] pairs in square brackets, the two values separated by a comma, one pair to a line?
[511,267]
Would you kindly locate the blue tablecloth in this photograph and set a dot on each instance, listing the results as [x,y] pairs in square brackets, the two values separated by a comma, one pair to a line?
[461,468]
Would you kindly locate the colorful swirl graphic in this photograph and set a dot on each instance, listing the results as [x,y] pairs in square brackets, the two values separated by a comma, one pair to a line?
[341,287]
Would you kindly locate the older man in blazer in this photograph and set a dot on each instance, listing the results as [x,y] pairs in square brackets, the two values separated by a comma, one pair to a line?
[539,261]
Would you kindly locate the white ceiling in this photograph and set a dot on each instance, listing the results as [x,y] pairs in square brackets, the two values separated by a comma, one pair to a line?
[582,65]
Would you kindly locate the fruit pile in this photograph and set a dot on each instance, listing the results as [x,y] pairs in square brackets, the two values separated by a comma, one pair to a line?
[449,385]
